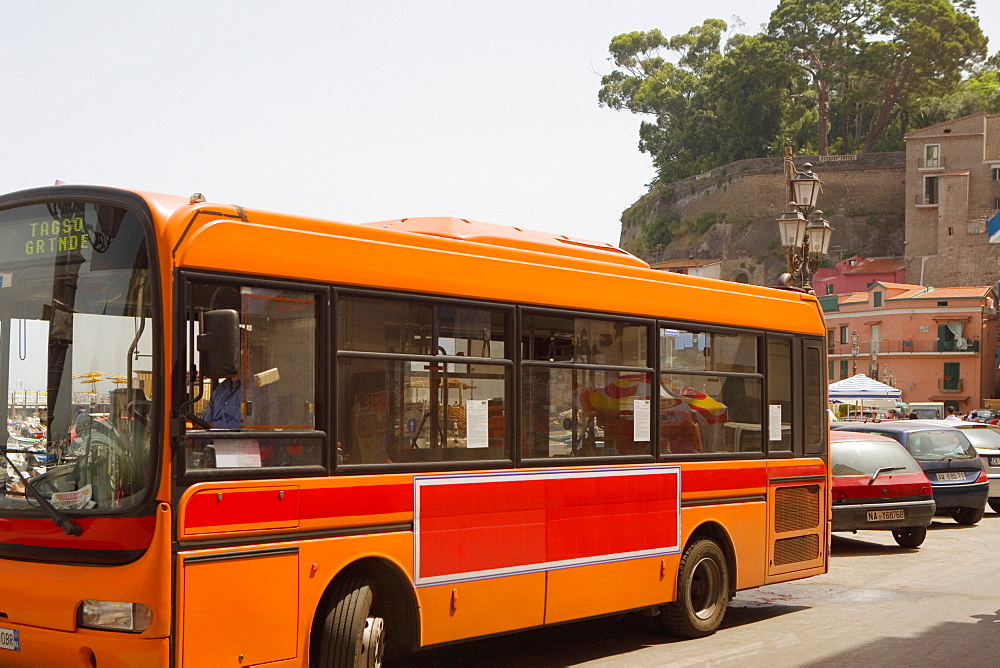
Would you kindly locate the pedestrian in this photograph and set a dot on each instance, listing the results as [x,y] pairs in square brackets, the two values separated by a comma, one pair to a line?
[951,414]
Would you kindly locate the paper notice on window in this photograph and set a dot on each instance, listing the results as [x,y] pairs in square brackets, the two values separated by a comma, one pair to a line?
[640,420]
[73,500]
[477,423]
[237,453]
[774,422]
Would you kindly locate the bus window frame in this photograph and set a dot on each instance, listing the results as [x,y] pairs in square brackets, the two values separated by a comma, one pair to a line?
[512,323]
[184,350]
[651,331]
[759,335]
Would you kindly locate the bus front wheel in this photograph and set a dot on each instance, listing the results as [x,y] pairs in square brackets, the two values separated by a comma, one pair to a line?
[350,636]
[702,592]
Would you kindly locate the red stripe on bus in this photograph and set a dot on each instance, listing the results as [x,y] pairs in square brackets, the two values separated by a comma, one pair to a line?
[99,533]
[723,479]
[234,507]
[262,506]
[356,501]
[511,524]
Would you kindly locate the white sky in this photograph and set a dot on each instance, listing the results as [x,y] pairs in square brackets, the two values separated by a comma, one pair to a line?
[354,111]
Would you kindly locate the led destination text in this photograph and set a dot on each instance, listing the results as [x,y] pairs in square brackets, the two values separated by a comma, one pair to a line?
[54,236]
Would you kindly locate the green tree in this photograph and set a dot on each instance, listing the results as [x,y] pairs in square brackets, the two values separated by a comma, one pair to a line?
[711,106]
[928,45]
[646,82]
[823,37]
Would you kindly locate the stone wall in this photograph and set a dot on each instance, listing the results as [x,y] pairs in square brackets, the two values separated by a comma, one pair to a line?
[863,197]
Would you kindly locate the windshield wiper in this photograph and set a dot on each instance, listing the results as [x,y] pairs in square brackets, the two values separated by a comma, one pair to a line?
[69,527]
[884,469]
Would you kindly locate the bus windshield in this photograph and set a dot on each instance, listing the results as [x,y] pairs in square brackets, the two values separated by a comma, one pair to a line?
[76,358]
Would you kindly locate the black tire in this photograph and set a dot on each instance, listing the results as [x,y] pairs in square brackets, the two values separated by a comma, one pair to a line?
[968,516]
[995,505]
[910,536]
[349,637]
[702,592]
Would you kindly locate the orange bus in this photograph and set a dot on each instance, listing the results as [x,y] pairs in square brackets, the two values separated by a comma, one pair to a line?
[243,438]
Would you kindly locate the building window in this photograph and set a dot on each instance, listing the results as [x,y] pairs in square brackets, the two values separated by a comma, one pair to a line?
[932,155]
[996,204]
[930,190]
[843,334]
[976,227]
[829,370]
[843,369]
[952,370]
[829,288]
[878,299]
[996,173]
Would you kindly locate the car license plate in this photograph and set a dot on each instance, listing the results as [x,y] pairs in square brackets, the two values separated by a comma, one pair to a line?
[10,639]
[879,515]
[994,461]
[957,475]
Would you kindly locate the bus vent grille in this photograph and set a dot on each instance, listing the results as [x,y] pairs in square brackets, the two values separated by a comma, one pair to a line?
[797,548]
[796,508]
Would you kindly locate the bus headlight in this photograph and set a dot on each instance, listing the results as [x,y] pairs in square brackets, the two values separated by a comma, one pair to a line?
[115,616]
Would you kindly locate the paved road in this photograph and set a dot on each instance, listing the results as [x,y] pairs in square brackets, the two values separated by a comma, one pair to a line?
[880,605]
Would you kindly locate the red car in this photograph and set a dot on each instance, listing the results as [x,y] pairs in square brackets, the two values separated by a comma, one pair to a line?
[878,485]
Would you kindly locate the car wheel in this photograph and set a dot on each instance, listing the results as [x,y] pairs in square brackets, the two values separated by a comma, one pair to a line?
[702,592]
[995,505]
[968,516]
[910,536]
[349,636]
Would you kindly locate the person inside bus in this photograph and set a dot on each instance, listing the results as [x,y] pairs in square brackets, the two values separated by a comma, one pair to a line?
[225,406]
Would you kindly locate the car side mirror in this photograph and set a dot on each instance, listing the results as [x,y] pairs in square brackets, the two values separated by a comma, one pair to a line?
[219,343]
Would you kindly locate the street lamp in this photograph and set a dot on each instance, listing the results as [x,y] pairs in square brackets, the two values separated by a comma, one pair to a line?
[805,234]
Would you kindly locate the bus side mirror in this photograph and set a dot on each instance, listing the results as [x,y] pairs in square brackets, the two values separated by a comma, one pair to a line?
[219,344]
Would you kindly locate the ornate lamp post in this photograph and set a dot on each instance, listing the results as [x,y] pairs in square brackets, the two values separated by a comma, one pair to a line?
[805,234]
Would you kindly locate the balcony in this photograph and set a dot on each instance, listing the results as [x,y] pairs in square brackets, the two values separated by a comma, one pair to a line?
[946,385]
[905,346]
[968,346]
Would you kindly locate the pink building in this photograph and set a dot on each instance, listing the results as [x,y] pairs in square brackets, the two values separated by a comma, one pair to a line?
[856,273]
[934,344]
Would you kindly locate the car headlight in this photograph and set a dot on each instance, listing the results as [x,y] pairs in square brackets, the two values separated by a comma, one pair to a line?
[115,616]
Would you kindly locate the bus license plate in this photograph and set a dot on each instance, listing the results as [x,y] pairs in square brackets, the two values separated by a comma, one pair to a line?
[10,639]
[951,476]
[879,515]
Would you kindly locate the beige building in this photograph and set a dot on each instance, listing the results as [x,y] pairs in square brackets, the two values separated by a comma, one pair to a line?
[953,202]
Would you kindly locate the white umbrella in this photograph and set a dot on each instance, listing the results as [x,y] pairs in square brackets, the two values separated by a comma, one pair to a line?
[864,391]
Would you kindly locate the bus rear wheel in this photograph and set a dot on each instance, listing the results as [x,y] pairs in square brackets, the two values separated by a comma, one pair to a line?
[350,637]
[702,592]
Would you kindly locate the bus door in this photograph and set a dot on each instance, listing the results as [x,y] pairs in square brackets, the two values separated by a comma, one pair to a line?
[798,490]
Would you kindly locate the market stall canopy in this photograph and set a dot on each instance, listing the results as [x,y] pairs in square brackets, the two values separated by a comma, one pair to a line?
[862,389]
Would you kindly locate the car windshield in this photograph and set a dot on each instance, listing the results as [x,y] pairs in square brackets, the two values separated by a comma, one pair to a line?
[866,457]
[76,364]
[983,437]
[932,445]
